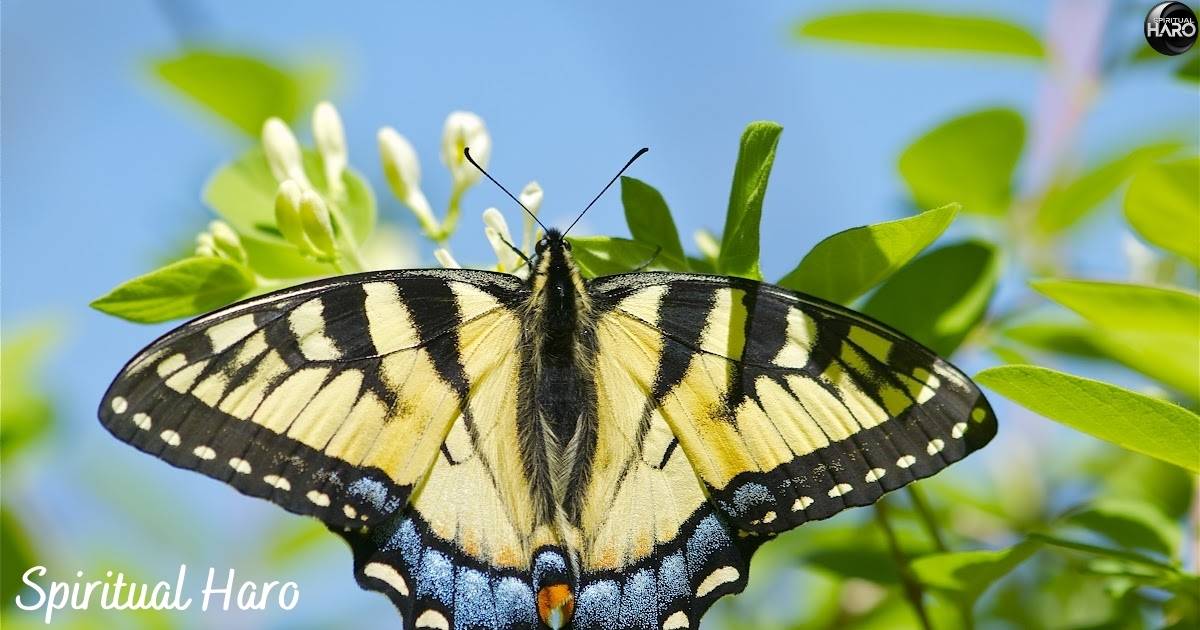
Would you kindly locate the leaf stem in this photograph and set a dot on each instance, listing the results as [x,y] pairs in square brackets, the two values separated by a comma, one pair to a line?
[1103,551]
[912,587]
[450,223]
[349,248]
[926,514]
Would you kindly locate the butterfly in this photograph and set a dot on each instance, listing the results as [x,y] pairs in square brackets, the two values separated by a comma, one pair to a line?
[553,451]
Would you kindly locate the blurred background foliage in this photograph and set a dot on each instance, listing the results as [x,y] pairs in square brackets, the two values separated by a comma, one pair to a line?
[979,263]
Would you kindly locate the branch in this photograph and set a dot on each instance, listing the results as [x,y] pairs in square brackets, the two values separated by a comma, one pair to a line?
[912,588]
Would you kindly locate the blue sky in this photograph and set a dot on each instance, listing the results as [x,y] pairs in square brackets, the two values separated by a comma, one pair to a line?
[103,168]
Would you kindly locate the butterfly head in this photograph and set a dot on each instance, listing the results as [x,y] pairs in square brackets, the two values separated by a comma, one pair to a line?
[552,239]
[554,266]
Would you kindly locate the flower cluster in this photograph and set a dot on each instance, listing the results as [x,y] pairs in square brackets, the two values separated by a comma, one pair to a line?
[402,169]
[309,215]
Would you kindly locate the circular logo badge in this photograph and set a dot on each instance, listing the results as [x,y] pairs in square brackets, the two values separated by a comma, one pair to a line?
[1171,28]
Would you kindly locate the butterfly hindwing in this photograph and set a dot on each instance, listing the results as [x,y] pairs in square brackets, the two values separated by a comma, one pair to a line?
[332,399]
[790,408]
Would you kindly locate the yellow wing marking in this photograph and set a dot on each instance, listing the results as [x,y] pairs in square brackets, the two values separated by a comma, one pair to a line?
[631,504]
[792,418]
[389,322]
[481,501]
[308,326]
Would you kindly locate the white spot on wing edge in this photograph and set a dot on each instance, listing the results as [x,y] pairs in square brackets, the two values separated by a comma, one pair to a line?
[142,421]
[391,576]
[170,437]
[906,461]
[769,517]
[839,490]
[318,498]
[935,446]
[278,482]
[240,465]
[676,621]
[349,511]
[723,575]
[119,404]
[875,474]
[204,452]
[801,503]
[958,430]
[433,619]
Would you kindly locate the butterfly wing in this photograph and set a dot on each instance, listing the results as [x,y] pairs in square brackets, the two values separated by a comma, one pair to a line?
[732,409]
[331,399]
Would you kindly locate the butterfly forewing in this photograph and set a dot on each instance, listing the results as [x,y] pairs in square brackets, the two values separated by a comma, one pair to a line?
[790,408]
[331,399]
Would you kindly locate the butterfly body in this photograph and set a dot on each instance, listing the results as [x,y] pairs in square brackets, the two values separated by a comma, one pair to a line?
[550,452]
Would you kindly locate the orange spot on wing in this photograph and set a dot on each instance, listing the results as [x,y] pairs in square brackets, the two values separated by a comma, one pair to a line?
[553,599]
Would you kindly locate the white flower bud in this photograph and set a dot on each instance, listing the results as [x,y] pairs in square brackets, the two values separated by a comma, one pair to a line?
[498,235]
[531,197]
[318,227]
[330,137]
[205,246]
[464,129]
[226,241]
[402,170]
[443,256]
[707,243]
[287,215]
[283,152]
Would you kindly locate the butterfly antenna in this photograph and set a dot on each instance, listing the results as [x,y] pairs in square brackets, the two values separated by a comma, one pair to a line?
[633,159]
[467,154]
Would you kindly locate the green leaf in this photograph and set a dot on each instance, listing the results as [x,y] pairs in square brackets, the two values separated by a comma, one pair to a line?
[1151,329]
[938,298]
[296,540]
[606,255]
[1190,69]
[273,258]
[700,265]
[862,562]
[965,575]
[1128,419]
[649,218]
[26,410]
[18,555]
[1161,205]
[1131,524]
[243,193]
[1072,339]
[970,160]
[926,31]
[739,241]
[849,263]
[188,287]
[1066,204]
[1168,488]
[241,89]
